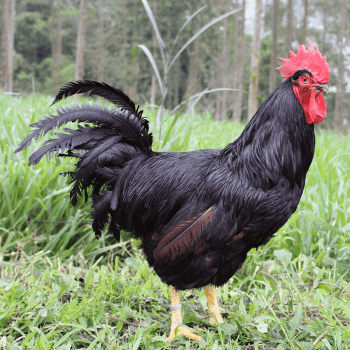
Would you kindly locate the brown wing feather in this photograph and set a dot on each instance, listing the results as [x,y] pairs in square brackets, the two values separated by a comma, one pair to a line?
[184,236]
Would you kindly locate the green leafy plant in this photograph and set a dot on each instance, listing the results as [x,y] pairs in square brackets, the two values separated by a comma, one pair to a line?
[168,59]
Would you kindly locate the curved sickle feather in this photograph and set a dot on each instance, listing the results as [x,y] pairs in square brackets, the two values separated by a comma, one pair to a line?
[129,126]
[114,95]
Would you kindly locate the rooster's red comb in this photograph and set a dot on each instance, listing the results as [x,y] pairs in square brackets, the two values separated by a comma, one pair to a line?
[309,59]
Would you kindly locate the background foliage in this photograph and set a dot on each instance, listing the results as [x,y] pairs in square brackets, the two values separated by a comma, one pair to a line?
[125,25]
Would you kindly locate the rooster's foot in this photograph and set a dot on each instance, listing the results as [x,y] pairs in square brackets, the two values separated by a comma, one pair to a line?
[182,330]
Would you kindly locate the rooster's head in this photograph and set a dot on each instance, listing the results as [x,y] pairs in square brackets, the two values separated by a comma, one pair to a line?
[309,73]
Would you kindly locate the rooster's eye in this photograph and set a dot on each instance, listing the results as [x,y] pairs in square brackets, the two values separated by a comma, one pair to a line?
[304,80]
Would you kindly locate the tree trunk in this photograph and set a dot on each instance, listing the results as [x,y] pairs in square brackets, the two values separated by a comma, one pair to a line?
[176,83]
[224,72]
[81,41]
[134,72]
[154,45]
[8,20]
[273,64]
[340,118]
[11,45]
[218,101]
[125,44]
[303,39]
[57,50]
[236,48]
[193,71]
[192,81]
[289,29]
[323,42]
[254,68]
[237,105]
[101,57]
[134,68]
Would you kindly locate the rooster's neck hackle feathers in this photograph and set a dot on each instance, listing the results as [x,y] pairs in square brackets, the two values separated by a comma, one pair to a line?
[278,128]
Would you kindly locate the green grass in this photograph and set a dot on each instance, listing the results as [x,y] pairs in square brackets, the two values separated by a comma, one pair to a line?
[60,288]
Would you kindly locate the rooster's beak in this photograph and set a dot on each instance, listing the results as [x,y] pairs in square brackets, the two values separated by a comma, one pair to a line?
[322,87]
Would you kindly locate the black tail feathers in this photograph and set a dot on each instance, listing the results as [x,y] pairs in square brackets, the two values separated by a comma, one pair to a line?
[116,136]
[128,122]
[101,214]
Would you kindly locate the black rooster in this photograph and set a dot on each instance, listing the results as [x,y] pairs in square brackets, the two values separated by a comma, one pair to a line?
[197,213]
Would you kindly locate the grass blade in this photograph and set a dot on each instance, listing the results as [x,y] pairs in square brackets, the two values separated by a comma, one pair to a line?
[155,28]
[203,29]
[154,65]
[185,24]
[202,93]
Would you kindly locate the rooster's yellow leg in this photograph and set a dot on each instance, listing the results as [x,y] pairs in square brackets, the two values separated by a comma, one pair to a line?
[213,305]
[176,319]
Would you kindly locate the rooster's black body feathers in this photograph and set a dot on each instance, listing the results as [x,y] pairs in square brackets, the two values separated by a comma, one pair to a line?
[198,213]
